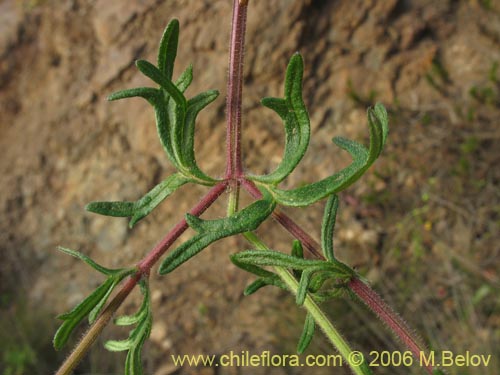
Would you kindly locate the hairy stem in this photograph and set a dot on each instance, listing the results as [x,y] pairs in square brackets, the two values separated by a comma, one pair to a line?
[363,291]
[144,269]
[160,249]
[355,360]
[95,330]
[234,90]
[387,315]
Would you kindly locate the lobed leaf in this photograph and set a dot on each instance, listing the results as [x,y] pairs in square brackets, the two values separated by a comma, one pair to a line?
[362,160]
[185,79]
[210,231]
[293,112]
[92,304]
[328,227]
[142,207]
[175,119]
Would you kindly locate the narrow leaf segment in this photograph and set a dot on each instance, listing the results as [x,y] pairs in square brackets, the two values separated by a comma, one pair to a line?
[293,112]
[143,321]
[93,304]
[142,207]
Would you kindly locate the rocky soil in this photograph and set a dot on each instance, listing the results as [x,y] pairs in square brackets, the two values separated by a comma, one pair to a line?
[422,225]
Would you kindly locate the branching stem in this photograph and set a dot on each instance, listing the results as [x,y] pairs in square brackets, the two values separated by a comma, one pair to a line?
[353,359]
[363,291]
[144,269]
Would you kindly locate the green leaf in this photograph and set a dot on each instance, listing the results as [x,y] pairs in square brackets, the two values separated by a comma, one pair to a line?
[135,341]
[297,249]
[186,142]
[175,119]
[266,277]
[94,313]
[168,48]
[210,231]
[91,305]
[151,71]
[362,160]
[148,93]
[185,79]
[307,334]
[262,282]
[75,316]
[141,208]
[277,259]
[328,226]
[90,262]
[293,112]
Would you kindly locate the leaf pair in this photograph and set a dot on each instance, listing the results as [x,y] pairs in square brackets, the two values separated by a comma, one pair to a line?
[175,122]
[143,321]
[210,231]
[93,304]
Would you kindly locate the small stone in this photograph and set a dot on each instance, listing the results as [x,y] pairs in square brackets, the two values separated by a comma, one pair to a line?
[159,332]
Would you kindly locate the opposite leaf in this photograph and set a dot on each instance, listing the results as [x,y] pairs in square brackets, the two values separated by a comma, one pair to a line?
[293,112]
[362,160]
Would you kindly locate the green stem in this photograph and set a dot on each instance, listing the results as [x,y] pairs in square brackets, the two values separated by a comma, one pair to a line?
[354,359]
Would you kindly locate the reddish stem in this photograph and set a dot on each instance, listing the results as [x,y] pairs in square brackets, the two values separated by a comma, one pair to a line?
[144,268]
[147,263]
[387,315]
[366,294]
[307,241]
[234,166]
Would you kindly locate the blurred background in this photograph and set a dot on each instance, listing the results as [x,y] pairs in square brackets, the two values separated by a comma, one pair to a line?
[422,225]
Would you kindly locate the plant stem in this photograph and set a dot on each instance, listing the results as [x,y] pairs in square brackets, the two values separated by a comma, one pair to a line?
[95,330]
[144,268]
[147,263]
[360,367]
[234,166]
[307,241]
[387,315]
[362,290]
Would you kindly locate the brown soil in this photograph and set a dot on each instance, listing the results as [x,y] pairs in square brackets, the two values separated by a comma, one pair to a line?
[422,225]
